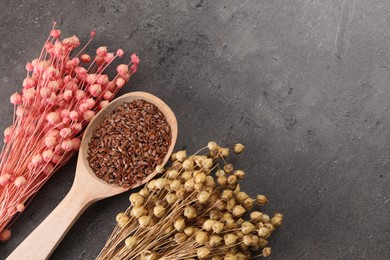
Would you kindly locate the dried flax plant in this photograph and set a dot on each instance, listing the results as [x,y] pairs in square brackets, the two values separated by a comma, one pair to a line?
[61,93]
[195,210]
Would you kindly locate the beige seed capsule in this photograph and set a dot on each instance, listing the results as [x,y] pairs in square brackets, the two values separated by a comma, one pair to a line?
[181,194]
[218,227]
[148,255]
[123,221]
[208,225]
[228,168]
[144,221]
[179,224]
[181,155]
[169,229]
[241,196]
[265,218]
[171,198]
[172,174]
[240,256]
[201,237]
[173,157]
[262,242]
[119,215]
[138,211]
[202,252]
[198,186]
[232,180]
[200,177]
[159,211]
[238,148]
[188,164]
[215,214]
[255,216]
[263,232]
[222,180]
[159,169]
[189,231]
[239,174]
[230,239]
[131,242]
[224,152]
[136,199]
[213,146]
[248,203]
[177,166]
[210,182]
[229,257]
[227,195]
[277,220]
[239,234]
[203,197]
[175,185]
[227,215]
[266,251]
[189,185]
[186,175]
[151,185]
[144,192]
[261,200]
[247,227]
[215,241]
[161,183]
[207,163]
[247,240]
[180,238]
[229,224]
[231,204]
[220,172]
[238,211]
[190,212]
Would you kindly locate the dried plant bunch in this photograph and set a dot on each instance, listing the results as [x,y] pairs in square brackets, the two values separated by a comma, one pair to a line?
[61,93]
[195,210]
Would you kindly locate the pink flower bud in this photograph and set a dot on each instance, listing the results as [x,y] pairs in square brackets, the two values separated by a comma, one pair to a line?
[75,61]
[103,104]
[66,120]
[120,82]
[37,160]
[71,42]
[107,95]
[21,111]
[4,179]
[29,67]
[49,46]
[88,115]
[99,60]
[16,99]
[95,90]
[53,118]
[93,33]
[55,33]
[8,131]
[77,128]
[20,207]
[47,155]
[122,69]
[56,158]
[65,113]
[102,80]
[65,132]
[85,58]
[28,82]
[67,145]
[48,169]
[135,59]
[91,78]
[71,85]
[83,107]
[109,57]
[28,95]
[50,141]
[79,94]
[101,51]
[54,132]
[134,68]
[20,181]
[59,150]
[90,103]
[52,99]
[5,235]
[68,94]
[74,115]
[76,143]
[53,86]
[67,79]
[111,86]
[120,53]
[44,92]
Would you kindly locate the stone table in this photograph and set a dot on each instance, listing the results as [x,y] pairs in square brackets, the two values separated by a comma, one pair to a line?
[303,84]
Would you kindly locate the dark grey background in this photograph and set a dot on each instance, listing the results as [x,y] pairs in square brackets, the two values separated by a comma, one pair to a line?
[303,84]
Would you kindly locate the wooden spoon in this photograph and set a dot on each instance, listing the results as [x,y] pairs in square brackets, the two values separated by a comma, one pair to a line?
[86,189]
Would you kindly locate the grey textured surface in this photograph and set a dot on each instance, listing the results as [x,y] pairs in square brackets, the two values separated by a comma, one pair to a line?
[304,84]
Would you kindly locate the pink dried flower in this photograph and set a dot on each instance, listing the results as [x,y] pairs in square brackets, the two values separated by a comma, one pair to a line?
[58,99]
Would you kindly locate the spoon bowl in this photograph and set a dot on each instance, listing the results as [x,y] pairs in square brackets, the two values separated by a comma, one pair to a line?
[87,187]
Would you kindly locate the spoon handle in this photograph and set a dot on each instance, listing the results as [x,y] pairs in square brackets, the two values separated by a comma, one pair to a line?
[41,243]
